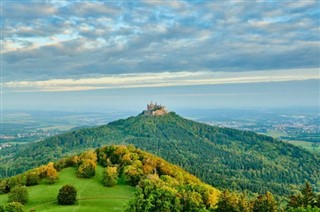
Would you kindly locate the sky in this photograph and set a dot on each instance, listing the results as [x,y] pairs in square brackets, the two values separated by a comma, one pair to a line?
[103,55]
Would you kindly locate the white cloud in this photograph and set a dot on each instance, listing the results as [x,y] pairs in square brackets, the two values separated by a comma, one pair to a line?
[164,79]
[59,40]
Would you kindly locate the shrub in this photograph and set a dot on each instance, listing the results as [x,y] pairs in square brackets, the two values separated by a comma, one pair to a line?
[19,194]
[52,173]
[12,182]
[32,178]
[87,169]
[132,174]
[14,207]
[4,187]
[110,176]
[67,195]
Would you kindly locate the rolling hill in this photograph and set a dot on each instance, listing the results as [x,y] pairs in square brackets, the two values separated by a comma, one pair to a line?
[222,157]
[112,178]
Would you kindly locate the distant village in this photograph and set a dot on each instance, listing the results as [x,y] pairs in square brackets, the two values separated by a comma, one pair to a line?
[2,146]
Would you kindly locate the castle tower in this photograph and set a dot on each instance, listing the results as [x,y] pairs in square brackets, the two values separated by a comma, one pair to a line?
[155,109]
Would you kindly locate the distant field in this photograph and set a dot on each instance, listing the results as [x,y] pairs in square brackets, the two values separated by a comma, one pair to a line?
[59,127]
[311,146]
[275,134]
[92,195]
[307,145]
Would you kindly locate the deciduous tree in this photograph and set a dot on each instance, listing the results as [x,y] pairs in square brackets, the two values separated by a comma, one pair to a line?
[110,176]
[67,195]
[19,194]
[13,207]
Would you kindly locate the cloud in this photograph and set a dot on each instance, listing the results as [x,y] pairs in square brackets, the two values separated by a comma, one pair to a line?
[58,39]
[25,11]
[165,79]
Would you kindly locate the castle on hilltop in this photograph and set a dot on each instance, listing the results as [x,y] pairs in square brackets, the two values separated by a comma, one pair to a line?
[155,109]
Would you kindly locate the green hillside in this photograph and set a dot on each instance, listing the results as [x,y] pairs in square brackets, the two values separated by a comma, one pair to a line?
[222,157]
[111,178]
[93,196]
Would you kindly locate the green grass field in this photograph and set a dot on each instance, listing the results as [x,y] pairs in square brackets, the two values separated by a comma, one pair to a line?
[305,144]
[275,133]
[92,195]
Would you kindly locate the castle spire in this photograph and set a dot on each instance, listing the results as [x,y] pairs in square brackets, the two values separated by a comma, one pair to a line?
[155,109]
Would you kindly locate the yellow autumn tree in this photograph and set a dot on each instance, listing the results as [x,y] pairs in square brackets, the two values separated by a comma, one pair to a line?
[87,169]
[110,176]
[52,173]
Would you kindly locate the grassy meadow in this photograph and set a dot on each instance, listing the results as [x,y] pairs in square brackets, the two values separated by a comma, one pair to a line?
[92,195]
[310,146]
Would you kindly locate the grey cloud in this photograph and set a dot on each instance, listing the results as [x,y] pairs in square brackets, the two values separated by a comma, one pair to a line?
[142,37]
[89,9]
[27,11]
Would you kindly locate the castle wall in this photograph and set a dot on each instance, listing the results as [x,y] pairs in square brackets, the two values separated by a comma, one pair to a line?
[155,109]
[159,112]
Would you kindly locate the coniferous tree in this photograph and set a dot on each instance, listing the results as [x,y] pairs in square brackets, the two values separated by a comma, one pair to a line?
[317,203]
[305,198]
[265,203]
[307,195]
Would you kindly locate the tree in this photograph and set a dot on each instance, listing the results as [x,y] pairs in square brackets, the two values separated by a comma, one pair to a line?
[13,207]
[308,195]
[4,187]
[67,195]
[87,169]
[304,199]
[52,173]
[19,194]
[192,201]
[153,195]
[32,178]
[295,201]
[132,174]
[318,201]
[110,176]
[227,202]
[265,203]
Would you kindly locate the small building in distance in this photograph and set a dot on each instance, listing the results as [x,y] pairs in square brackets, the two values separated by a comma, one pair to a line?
[155,110]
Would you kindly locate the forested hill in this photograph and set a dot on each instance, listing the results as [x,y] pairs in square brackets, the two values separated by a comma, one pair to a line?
[223,157]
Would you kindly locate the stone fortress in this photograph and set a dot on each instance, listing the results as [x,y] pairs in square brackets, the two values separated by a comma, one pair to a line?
[155,110]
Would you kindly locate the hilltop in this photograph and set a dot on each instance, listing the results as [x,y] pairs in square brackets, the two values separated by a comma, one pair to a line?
[222,157]
[155,110]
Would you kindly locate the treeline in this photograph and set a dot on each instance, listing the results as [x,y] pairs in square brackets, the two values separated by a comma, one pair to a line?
[305,200]
[160,185]
[19,158]
[30,178]
[225,158]
[311,137]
